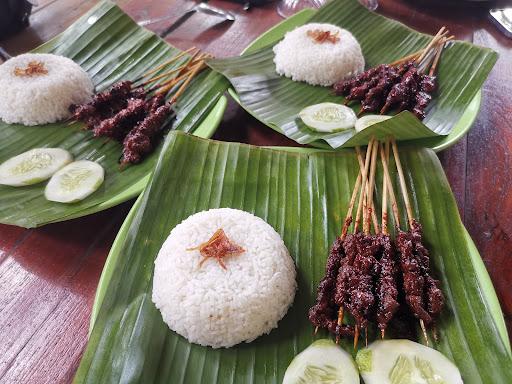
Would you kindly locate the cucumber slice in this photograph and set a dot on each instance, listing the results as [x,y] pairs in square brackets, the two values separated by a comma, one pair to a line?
[405,362]
[323,362]
[75,182]
[33,166]
[328,117]
[366,121]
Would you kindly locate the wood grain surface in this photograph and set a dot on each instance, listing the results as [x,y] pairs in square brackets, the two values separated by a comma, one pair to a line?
[48,276]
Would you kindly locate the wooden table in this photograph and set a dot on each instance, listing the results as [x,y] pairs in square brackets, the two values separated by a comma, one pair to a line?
[48,276]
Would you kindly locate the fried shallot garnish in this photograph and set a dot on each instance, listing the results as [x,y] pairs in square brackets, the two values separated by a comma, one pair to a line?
[219,246]
[34,68]
[320,36]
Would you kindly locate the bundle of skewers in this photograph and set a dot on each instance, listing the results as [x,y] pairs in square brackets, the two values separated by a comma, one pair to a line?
[135,112]
[368,276]
[406,84]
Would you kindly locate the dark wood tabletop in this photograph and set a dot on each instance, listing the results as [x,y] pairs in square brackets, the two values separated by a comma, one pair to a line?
[48,276]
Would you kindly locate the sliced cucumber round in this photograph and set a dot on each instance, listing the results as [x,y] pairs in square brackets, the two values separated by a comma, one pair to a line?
[75,182]
[366,121]
[328,117]
[33,166]
[323,362]
[404,361]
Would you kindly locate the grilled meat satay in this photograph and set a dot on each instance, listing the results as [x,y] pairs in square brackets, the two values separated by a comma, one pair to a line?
[361,286]
[101,102]
[413,280]
[387,287]
[139,141]
[118,125]
[325,312]
[404,95]
[433,295]
[344,87]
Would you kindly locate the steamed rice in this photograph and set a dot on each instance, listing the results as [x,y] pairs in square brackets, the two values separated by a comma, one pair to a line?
[299,57]
[44,98]
[218,307]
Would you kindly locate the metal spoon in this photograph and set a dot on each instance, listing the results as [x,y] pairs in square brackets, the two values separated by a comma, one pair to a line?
[200,7]
[4,56]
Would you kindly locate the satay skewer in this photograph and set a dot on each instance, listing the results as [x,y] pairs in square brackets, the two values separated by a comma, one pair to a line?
[349,215]
[363,204]
[363,171]
[384,220]
[387,188]
[408,208]
[369,205]
[360,210]
[344,230]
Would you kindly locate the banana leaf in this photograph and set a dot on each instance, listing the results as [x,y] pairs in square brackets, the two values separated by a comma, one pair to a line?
[303,194]
[276,100]
[110,46]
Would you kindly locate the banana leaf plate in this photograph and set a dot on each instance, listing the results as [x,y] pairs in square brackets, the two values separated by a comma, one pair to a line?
[276,100]
[111,47]
[302,194]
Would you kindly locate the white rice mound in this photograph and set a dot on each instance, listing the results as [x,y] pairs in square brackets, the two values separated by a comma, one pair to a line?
[218,307]
[299,57]
[44,98]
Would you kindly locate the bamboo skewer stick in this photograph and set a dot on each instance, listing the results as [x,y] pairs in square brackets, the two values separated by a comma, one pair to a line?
[195,56]
[363,188]
[434,40]
[437,57]
[356,337]
[403,185]
[374,215]
[407,58]
[183,74]
[371,185]
[193,73]
[394,206]
[348,216]
[170,61]
[166,74]
[420,54]
[384,216]
[167,85]
[424,331]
